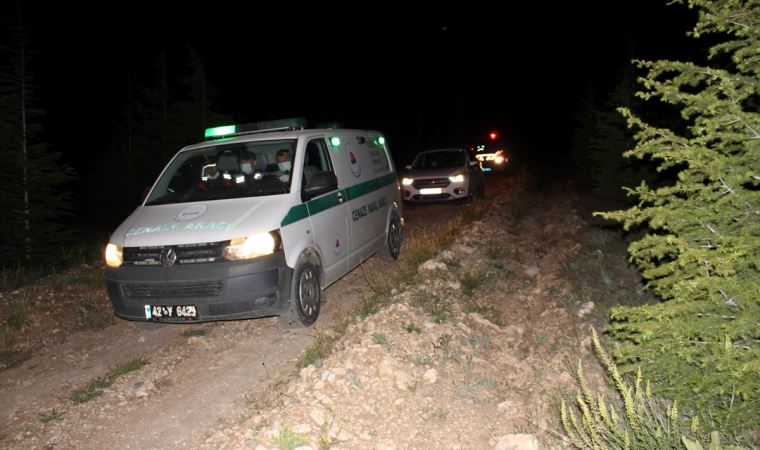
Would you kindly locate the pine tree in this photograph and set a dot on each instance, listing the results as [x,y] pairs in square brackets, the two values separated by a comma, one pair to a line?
[190,114]
[600,140]
[152,148]
[33,196]
[152,123]
[609,169]
[584,134]
[701,254]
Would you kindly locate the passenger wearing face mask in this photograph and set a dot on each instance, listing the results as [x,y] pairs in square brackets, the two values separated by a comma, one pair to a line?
[248,165]
[248,178]
[282,168]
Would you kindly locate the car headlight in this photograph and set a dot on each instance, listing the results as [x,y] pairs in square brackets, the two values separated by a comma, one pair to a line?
[114,255]
[407,181]
[252,246]
[458,178]
[499,159]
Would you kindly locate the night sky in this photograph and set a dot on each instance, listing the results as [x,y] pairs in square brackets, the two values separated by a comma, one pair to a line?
[520,69]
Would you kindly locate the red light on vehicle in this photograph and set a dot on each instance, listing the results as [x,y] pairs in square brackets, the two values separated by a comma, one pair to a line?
[492,135]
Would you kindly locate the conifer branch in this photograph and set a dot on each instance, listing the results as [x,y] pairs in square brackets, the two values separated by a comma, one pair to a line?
[726,186]
[729,301]
[755,134]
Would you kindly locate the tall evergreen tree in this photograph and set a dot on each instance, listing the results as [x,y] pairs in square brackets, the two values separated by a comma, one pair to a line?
[583,136]
[609,169]
[33,193]
[190,113]
[153,121]
[701,255]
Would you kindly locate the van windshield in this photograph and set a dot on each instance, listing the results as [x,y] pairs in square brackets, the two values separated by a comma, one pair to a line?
[242,169]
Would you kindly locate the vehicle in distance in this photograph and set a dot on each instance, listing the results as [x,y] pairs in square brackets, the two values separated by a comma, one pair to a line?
[445,174]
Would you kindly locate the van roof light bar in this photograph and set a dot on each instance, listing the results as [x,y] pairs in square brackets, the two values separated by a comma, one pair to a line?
[265,126]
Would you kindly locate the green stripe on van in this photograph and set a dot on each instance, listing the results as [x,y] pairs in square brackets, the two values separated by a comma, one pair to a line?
[326,202]
[322,203]
[369,186]
[295,214]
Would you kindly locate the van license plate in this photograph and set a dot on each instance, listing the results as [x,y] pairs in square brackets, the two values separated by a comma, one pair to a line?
[171,312]
[431,191]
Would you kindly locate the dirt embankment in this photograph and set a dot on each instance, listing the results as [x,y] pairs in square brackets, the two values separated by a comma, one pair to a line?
[474,352]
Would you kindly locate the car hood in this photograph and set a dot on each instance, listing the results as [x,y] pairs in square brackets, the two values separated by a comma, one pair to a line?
[434,173]
[190,223]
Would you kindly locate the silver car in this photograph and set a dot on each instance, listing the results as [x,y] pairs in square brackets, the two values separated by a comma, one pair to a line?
[445,174]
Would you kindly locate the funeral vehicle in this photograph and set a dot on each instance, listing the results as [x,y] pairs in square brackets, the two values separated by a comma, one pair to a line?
[255,221]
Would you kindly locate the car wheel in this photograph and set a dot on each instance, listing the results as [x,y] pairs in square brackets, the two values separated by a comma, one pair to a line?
[305,295]
[470,199]
[392,247]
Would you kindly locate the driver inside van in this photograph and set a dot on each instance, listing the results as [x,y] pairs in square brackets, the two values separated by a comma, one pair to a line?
[210,177]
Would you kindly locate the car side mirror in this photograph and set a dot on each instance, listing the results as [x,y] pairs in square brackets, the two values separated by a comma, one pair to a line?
[321,182]
[408,167]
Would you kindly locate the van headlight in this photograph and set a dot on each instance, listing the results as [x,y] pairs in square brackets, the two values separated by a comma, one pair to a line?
[114,255]
[252,246]
[458,178]
[407,181]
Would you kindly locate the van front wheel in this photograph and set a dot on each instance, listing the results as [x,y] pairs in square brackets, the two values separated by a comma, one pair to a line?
[305,296]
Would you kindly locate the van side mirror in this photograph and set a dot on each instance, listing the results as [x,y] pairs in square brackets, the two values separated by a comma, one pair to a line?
[408,167]
[321,182]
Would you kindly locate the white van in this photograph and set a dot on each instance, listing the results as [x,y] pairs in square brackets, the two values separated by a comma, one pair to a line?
[218,239]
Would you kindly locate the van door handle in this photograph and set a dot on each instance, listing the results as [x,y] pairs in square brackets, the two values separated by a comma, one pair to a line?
[340,197]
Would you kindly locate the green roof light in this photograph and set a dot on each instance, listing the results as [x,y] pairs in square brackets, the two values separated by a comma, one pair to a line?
[335,141]
[381,140]
[220,131]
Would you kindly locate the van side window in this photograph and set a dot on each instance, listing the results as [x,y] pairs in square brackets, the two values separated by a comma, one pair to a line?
[316,159]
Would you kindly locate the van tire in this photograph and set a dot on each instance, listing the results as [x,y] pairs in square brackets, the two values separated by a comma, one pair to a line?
[305,295]
[392,247]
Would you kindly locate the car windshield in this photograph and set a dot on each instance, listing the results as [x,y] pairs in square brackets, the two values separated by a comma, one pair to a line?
[439,160]
[226,171]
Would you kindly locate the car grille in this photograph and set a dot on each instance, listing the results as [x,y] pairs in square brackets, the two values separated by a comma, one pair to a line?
[433,197]
[430,182]
[162,290]
[186,254]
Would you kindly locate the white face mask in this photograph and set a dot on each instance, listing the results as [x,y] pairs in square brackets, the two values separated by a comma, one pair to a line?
[284,166]
[246,168]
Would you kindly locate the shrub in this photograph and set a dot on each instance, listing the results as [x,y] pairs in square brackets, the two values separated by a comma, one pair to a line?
[701,253]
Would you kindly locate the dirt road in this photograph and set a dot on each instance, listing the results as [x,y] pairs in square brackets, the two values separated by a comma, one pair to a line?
[197,376]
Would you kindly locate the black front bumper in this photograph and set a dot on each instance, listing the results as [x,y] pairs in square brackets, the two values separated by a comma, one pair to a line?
[219,290]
